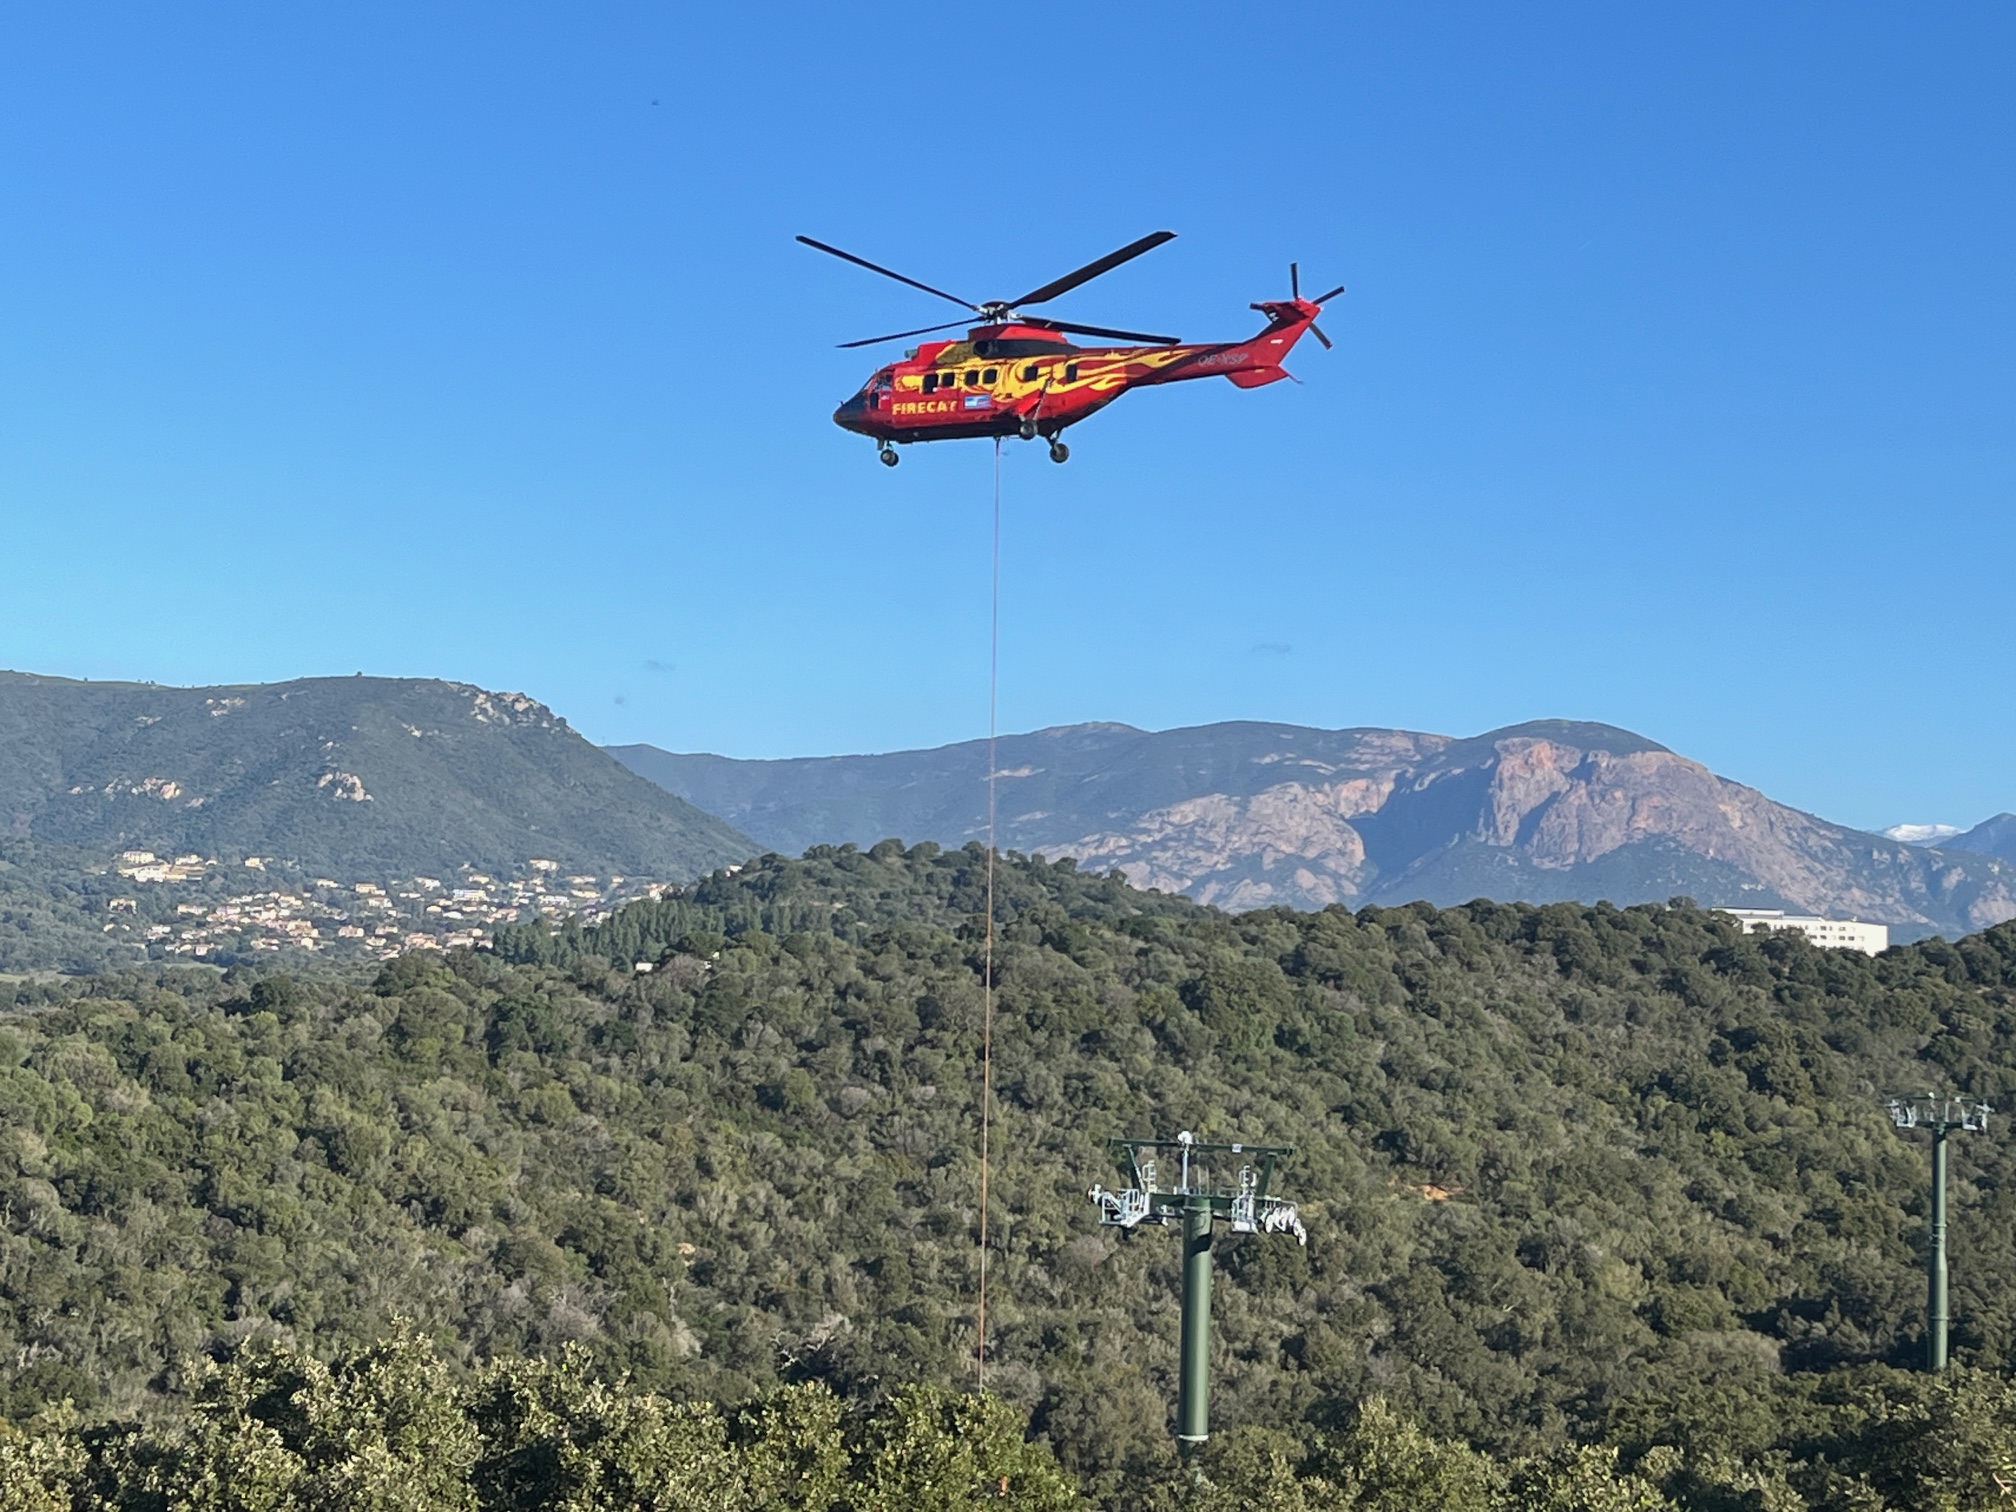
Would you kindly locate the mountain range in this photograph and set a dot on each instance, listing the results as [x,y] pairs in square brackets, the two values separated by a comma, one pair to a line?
[356,776]
[1245,815]
[360,777]
[1991,837]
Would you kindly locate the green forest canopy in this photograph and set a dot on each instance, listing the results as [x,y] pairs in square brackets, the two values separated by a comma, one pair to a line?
[1616,1179]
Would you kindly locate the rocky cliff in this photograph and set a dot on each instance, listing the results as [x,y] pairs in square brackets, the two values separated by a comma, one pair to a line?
[1248,815]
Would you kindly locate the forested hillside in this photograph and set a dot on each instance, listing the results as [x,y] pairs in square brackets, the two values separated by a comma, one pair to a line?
[1572,1176]
[52,902]
[355,777]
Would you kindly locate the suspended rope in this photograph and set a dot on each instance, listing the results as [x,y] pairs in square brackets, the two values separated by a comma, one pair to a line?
[987,955]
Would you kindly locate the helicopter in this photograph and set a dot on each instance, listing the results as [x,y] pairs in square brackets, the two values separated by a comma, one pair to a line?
[1016,375]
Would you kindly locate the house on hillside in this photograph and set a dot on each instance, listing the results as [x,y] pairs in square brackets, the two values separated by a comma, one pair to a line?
[1835,934]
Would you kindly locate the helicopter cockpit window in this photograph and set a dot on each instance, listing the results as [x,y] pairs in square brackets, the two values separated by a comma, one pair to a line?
[930,383]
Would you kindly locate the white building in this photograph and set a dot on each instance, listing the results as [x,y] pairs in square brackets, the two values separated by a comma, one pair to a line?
[1836,934]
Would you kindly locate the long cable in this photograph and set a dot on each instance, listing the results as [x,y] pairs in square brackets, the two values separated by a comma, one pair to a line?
[987,968]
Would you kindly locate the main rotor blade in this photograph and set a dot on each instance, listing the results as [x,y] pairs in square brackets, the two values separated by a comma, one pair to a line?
[1326,298]
[1294,281]
[1091,270]
[1317,331]
[885,272]
[899,335]
[1085,330]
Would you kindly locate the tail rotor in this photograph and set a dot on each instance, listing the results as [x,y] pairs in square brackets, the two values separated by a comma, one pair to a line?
[1295,293]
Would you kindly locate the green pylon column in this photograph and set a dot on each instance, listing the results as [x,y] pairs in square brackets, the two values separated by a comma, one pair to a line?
[1935,1264]
[1194,1203]
[1193,1397]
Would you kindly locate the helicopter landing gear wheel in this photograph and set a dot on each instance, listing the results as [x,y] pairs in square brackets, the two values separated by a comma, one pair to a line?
[1027,430]
[1059,452]
[888,456]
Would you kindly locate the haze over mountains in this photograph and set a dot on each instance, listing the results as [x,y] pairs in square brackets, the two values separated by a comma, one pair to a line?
[357,776]
[1248,814]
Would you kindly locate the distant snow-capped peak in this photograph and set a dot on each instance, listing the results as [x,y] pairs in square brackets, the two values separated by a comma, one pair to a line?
[1921,834]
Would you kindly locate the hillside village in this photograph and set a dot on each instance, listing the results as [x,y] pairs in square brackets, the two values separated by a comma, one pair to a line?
[198,908]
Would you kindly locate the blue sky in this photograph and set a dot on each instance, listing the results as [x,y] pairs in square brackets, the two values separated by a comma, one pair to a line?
[1673,387]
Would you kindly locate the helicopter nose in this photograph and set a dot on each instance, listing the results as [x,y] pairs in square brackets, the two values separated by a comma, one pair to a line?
[852,413]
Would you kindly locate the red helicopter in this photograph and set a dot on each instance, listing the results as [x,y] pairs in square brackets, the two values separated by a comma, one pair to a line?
[1016,375]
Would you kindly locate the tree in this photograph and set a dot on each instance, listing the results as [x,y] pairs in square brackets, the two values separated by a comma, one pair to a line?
[931,1450]
[1385,1463]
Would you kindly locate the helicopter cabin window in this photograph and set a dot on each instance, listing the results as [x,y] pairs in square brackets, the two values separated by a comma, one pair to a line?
[972,377]
[1029,373]
[930,383]
[1070,372]
[990,376]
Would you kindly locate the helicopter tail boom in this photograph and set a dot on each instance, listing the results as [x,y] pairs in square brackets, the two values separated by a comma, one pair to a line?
[1251,363]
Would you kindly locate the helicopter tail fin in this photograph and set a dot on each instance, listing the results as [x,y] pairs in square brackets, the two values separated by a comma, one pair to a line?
[1262,355]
